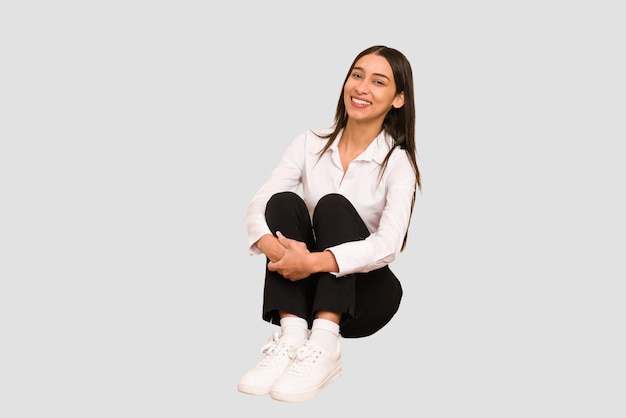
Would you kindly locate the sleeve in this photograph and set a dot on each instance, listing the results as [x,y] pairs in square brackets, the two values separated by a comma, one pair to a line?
[286,176]
[383,245]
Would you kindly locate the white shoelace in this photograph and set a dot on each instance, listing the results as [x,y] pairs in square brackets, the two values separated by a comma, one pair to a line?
[275,350]
[305,357]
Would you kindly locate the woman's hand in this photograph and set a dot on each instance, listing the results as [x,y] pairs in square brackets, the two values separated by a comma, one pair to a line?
[295,263]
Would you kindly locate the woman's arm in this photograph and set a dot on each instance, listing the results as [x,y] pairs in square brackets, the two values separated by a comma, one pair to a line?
[382,246]
[286,176]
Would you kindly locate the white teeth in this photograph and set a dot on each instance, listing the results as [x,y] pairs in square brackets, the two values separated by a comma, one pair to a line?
[361,102]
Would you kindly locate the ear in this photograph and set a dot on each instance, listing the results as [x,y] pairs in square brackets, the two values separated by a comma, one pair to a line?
[398,102]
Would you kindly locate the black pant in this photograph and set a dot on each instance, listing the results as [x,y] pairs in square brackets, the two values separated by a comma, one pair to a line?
[366,301]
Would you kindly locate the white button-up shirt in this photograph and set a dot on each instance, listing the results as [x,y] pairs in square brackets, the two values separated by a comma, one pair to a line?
[384,206]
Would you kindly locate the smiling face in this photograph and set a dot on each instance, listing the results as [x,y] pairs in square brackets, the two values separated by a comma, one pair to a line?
[370,90]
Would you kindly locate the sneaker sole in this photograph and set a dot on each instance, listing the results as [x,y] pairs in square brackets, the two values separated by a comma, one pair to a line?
[305,396]
[253,390]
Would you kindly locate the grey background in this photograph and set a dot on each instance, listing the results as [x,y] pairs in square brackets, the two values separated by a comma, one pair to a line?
[134,133]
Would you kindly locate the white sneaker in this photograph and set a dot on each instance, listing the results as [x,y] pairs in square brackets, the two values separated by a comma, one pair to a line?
[278,355]
[312,369]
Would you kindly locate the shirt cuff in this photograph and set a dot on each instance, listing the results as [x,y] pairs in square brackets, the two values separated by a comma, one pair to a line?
[350,257]
[255,232]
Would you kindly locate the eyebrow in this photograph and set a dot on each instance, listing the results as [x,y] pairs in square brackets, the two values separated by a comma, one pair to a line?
[377,74]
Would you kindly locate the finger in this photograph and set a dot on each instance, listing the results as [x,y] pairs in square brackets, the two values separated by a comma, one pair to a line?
[283,240]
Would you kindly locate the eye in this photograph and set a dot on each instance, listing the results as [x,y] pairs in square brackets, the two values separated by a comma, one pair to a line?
[357,75]
[379,82]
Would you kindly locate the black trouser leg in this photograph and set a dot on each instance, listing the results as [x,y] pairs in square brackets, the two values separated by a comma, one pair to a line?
[287,213]
[367,301]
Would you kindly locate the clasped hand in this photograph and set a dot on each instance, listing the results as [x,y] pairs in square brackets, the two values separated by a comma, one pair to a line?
[294,263]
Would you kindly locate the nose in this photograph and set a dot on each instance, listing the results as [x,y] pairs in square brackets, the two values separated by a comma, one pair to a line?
[361,86]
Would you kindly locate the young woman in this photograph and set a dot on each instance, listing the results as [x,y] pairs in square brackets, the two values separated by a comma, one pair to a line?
[331,217]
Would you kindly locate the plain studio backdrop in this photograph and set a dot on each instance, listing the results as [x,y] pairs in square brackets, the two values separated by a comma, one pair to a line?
[134,133]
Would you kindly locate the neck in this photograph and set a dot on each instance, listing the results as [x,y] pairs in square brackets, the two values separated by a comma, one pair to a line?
[359,134]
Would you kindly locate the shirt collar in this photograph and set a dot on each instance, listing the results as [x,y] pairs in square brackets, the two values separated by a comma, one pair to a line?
[376,151]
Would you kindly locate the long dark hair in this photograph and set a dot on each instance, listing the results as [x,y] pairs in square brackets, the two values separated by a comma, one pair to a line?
[399,123]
